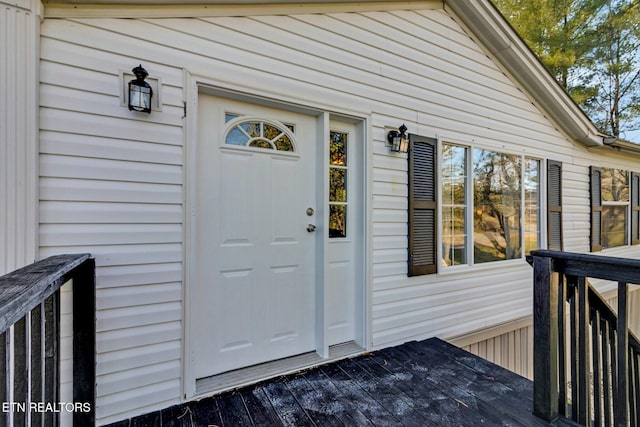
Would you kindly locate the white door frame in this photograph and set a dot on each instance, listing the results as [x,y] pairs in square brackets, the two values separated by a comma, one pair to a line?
[193,86]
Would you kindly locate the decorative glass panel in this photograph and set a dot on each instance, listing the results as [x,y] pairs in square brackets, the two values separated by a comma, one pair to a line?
[261,134]
[338,149]
[531,205]
[454,207]
[337,221]
[497,195]
[338,184]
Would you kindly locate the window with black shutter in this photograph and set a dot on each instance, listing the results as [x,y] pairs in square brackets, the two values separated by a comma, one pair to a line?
[554,205]
[422,205]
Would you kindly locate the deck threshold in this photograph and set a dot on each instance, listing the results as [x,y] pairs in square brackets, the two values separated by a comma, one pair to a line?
[252,374]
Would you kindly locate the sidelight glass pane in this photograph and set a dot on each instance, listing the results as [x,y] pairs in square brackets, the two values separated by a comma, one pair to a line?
[337,221]
[337,185]
[496,206]
[338,149]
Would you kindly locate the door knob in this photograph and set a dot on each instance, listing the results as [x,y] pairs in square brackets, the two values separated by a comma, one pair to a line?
[311,228]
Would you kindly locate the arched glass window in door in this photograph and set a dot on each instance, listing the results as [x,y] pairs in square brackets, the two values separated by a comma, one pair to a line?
[260,133]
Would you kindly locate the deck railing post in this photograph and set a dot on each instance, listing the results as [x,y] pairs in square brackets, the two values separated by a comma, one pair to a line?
[622,332]
[545,342]
[84,332]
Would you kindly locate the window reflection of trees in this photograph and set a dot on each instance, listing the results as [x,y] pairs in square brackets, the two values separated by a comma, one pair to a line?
[454,230]
[615,206]
[338,172]
[497,206]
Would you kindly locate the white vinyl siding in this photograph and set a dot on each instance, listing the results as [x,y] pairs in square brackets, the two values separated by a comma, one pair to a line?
[112,181]
[19,23]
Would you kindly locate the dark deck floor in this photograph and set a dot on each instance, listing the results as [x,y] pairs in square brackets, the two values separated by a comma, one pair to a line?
[427,383]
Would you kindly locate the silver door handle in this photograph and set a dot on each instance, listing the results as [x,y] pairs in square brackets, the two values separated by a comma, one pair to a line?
[311,228]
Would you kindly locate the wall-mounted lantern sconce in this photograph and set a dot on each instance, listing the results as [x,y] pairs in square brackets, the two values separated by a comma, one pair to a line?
[140,92]
[398,140]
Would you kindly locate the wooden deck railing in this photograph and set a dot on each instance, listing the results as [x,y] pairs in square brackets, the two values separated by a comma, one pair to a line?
[30,342]
[586,362]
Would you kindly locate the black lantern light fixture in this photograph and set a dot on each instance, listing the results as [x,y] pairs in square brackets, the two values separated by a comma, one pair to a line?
[399,140]
[140,92]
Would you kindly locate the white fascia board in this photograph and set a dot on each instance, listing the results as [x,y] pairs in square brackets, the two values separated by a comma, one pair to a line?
[491,29]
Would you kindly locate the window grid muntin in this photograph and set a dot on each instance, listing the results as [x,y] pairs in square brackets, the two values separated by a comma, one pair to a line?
[263,134]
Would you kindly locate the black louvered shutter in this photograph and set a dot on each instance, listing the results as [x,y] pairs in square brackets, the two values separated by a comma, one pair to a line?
[554,205]
[422,205]
[635,208]
[596,208]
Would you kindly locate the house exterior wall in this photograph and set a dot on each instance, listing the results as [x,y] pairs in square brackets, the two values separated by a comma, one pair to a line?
[112,182]
[19,27]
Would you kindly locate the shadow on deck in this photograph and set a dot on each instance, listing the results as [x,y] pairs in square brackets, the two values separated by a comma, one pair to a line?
[427,383]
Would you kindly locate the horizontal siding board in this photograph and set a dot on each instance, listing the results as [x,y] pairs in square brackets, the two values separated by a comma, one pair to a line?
[122,381]
[134,317]
[57,212]
[63,235]
[108,170]
[122,339]
[139,274]
[105,105]
[131,358]
[139,295]
[119,406]
[92,190]
[119,255]
[109,148]
[114,127]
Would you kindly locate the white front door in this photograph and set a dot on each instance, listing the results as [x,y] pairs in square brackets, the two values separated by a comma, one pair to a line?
[254,249]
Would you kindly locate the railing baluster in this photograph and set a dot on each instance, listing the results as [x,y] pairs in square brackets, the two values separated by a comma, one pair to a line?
[4,373]
[606,383]
[52,334]
[574,357]
[597,373]
[562,347]
[36,363]
[20,371]
[636,380]
[583,356]
[622,332]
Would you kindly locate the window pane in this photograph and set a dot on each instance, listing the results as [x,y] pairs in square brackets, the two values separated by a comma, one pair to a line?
[614,226]
[454,208]
[531,205]
[337,221]
[615,185]
[497,201]
[454,236]
[337,185]
[338,149]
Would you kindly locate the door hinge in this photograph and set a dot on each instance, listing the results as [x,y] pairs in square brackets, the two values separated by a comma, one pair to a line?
[184,109]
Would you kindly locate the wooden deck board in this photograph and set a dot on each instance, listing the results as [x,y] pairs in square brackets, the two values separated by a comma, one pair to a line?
[427,383]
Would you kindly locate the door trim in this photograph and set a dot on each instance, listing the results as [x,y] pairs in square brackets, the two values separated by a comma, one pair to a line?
[194,85]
